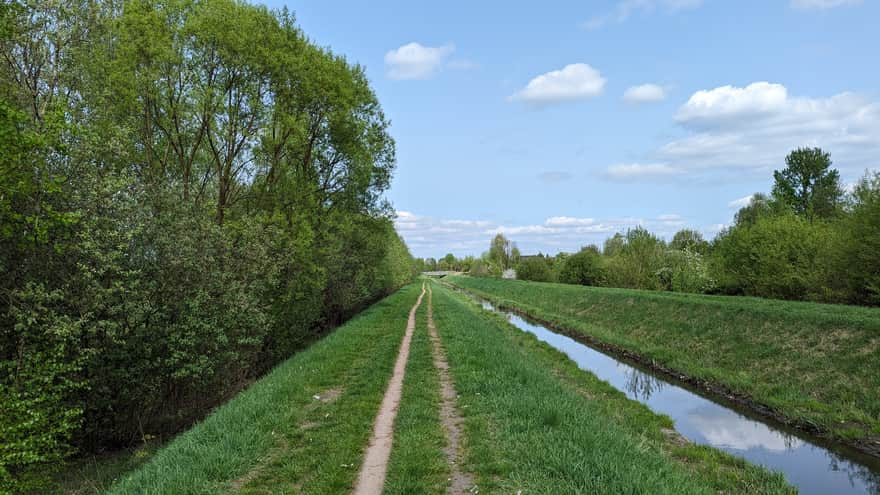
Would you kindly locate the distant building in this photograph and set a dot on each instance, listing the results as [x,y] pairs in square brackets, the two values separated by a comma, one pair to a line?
[510,273]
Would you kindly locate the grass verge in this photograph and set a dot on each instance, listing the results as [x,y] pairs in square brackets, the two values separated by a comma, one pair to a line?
[301,429]
[537,423]
[814,366]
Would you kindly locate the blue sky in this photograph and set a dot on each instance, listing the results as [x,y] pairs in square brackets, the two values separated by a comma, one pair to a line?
[562,122]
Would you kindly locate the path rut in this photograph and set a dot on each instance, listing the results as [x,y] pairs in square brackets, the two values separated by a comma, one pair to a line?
[461,481]
[375,467]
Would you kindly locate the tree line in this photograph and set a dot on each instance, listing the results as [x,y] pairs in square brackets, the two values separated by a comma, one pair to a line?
[807,240]
[190,191]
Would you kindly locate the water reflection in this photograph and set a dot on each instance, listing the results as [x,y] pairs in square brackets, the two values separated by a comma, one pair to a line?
[641,385]
[735,432]
[808,466]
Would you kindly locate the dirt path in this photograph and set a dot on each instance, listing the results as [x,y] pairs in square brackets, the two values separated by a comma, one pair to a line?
[462,482]
[375,467]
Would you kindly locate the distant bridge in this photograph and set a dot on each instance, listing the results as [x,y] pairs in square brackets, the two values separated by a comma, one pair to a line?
[441,274]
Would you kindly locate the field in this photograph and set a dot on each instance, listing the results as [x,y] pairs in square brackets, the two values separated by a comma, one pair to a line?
[531,420]
[816,366]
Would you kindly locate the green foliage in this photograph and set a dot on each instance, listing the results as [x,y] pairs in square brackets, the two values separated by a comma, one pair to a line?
[192,192]
[502,254]
[636,260]
[808,184]
[691,240]
[685,270]
[583,268]
[535,268]
[38,415]
[860,259]
[779,256]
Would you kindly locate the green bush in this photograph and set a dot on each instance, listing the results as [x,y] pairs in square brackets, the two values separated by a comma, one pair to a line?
[777,256]
[583,268]
[535,268]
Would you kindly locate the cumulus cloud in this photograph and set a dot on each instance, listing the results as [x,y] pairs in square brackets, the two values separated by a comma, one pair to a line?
[754,127]
[428,236]
[415,61]
[639,171]
[572,82]
[644,93]
[627,8]
[822,4]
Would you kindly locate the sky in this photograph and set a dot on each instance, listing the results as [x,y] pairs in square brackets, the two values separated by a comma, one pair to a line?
[559,123]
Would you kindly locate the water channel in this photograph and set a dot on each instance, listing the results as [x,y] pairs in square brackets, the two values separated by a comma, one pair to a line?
[813,466]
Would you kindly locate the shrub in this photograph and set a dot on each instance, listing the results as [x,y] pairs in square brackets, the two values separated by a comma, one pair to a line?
[583,268]
[535,268]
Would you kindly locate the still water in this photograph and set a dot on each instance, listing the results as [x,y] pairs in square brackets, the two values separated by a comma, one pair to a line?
[812,468]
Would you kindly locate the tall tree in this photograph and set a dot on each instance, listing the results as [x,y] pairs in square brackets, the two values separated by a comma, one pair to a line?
[808,184]
[501,252]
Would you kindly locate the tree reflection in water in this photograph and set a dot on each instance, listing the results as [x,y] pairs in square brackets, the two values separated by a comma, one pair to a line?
[856,473]
[642,385]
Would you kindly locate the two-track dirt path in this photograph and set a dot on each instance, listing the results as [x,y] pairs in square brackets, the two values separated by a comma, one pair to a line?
[375,467]
[461,481]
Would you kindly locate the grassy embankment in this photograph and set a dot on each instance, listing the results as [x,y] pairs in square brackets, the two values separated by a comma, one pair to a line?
[535,422]
[814,365]
[275,437]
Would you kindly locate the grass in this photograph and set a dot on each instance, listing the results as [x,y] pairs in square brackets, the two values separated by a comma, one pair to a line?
[94,474]
[418,463]
[816,364]
[275,437]
[535,422]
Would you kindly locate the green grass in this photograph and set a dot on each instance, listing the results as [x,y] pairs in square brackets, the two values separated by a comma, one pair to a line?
[95,473]
[816,364]
[535,422]
[418,463]
[274,437]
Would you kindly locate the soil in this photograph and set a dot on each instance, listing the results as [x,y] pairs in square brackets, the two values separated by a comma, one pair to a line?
[461,482]
[371,478]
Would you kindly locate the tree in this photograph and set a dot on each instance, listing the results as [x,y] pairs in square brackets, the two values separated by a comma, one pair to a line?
[501,252]
[535,268]
[691,240]
[808,184]
[583,268]
[861,263]
[779,256]
[759,207]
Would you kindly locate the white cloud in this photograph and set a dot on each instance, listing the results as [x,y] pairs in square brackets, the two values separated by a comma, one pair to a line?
[627,8]
[644,93]
[428,236]
[739,129]
[570,221]
[712,107]
[741,202]
[572,82]
[822,4]
[415,61]
[638,171]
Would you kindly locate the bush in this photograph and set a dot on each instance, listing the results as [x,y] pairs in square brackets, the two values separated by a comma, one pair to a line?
[778,256]
[685,270]
[536,268]
[860,259]
[637,261]
[583,268]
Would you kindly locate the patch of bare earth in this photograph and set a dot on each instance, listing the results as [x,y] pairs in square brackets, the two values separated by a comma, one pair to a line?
[461,481]
[371,478]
